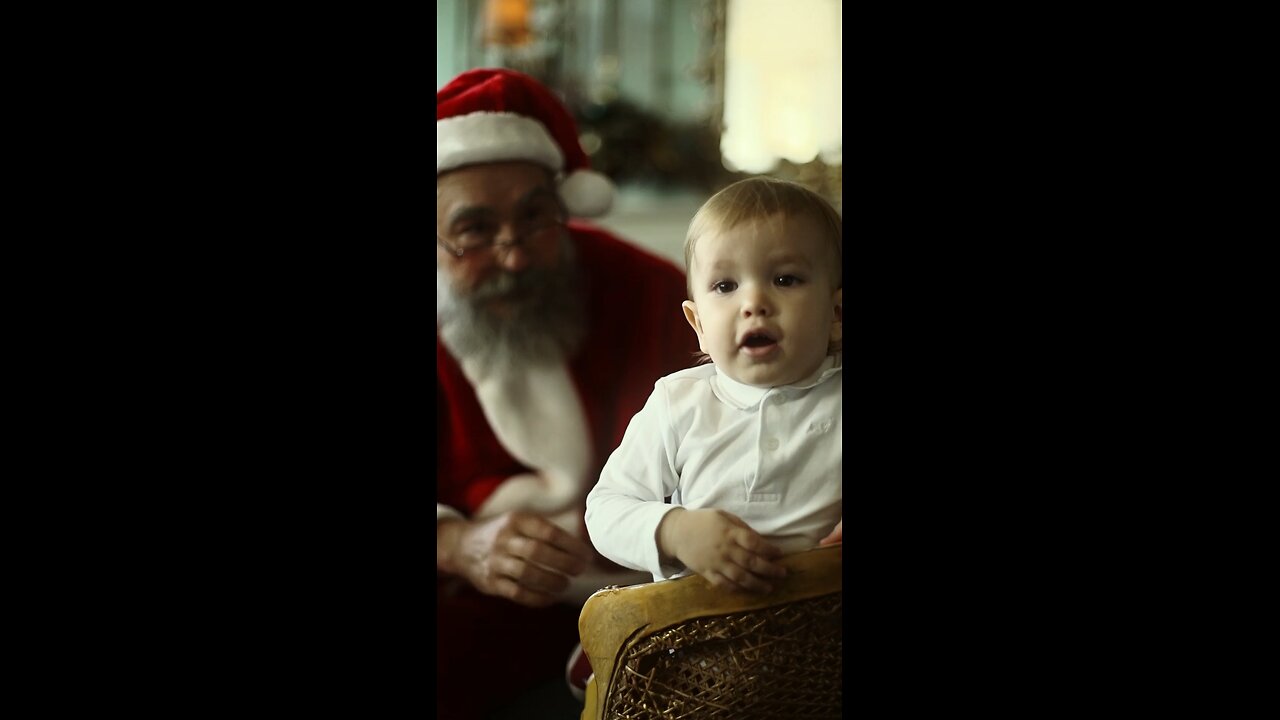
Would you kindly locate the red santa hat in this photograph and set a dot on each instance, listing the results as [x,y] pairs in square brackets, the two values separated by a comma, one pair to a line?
[494,115]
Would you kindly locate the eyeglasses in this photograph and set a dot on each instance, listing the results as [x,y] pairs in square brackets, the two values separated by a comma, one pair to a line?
[476,237]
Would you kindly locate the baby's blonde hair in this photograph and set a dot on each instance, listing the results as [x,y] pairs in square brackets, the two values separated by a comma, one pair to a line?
[760,197]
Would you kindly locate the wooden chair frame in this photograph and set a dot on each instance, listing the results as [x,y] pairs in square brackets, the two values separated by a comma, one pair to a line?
[613,620]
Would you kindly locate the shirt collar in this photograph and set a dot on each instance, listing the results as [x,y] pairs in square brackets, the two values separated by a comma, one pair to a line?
[743,396]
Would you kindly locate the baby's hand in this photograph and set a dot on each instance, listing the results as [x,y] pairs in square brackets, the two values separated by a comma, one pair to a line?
[836,535]
[720,547]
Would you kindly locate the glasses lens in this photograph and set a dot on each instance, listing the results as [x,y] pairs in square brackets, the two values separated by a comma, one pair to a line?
[535,223]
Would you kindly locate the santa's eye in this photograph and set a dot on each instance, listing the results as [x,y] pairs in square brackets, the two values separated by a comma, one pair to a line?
[475,234]
[787,280]
[724,286]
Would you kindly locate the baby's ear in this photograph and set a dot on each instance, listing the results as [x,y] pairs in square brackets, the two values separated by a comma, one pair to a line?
[837,321]
[691,316]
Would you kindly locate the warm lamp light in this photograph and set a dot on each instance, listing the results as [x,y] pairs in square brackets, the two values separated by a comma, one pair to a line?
[507,22]
[782,91]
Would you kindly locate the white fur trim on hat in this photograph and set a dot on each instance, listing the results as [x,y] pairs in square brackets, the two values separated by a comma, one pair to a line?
[483,137]
[587,193]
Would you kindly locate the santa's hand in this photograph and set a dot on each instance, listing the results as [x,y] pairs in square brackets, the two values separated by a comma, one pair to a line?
[519,556]
[720,547]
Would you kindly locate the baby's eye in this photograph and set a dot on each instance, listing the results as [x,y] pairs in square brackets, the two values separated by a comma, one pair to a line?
[787,280]
[724,286]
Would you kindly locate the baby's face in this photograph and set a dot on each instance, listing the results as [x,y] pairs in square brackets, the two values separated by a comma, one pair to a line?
[764,302]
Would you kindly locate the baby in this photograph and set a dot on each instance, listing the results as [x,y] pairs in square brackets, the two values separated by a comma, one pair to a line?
[732,464]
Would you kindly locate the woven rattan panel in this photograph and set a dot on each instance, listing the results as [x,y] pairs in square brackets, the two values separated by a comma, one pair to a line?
[776,663]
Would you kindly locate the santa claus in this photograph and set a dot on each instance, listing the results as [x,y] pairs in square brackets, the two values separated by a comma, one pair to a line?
[550,334]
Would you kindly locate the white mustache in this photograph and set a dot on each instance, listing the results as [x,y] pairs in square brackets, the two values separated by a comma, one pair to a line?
[505,283]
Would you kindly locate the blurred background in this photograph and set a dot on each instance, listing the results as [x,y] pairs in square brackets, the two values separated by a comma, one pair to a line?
[674,98]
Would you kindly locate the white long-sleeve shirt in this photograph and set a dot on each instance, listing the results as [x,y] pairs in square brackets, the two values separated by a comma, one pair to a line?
[771,456]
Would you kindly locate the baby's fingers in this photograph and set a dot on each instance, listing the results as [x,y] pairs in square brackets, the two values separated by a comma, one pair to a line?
[735,577]
[757,564]
[752,542]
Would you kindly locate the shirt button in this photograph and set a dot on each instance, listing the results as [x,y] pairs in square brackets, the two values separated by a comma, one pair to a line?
[771,444]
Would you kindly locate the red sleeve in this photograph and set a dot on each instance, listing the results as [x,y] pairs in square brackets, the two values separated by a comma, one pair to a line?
[470,462]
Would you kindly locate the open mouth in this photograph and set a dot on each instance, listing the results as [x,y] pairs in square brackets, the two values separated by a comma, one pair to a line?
[758,343]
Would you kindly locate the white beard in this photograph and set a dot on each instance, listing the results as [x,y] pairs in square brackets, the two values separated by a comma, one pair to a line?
[516,363]
[544,328]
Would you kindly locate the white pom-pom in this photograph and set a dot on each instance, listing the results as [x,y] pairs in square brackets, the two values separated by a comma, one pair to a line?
[587,193]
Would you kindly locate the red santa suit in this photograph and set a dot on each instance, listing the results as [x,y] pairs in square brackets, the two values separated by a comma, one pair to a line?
[636,333]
